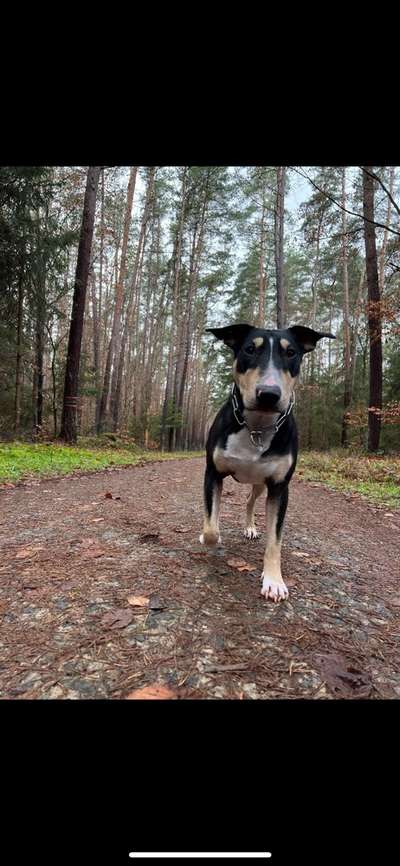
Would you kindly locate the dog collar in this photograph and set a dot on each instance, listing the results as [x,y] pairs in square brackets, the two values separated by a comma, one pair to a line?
[257,436]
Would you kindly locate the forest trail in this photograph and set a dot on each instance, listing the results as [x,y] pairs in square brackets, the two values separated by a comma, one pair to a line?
[73,551]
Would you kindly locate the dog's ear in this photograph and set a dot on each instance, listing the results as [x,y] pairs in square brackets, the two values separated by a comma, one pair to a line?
[233,335]
[306,338]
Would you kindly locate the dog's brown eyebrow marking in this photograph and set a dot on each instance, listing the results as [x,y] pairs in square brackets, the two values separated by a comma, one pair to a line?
[258,341]
[284,343]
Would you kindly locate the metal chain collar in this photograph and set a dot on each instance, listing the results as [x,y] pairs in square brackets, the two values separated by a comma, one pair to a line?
[257,436]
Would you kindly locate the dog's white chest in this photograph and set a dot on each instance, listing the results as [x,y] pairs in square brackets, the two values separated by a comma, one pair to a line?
[242,460]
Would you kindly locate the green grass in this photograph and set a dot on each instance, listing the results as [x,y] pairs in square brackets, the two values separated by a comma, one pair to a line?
[375,478]
[20,461]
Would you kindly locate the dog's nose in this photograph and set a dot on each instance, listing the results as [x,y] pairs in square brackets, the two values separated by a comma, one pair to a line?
[268,395]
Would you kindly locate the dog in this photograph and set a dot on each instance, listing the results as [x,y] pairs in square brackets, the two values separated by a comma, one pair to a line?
[254,436]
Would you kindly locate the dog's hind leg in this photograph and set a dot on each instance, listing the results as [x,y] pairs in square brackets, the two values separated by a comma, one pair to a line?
[273,586]
[212,498]
[251,530]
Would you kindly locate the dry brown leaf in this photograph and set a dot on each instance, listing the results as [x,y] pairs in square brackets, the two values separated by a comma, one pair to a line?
[245,568]
[299,553]
[182,530]
[29,551]
[138,600]
[97,520]
[156,692]
[108,496]
[238,563]
[118,618]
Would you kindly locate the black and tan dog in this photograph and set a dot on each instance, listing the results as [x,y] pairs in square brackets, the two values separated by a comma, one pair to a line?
[254,436]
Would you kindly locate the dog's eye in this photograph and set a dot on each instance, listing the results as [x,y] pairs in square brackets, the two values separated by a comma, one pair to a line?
[250,349]
[290,352]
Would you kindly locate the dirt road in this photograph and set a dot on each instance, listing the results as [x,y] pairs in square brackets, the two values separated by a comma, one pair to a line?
[71,556]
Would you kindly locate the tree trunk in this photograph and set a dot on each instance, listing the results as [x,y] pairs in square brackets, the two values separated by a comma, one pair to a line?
[262,278]
[99,310]
[385,234]
[356,320]
[96,343]
[314,288]
[181,371]
[174,315]
[18,365]
[69,414]
[39,371]
[114,344]
[346,324]
[133,301]
[279,231]
[374,316]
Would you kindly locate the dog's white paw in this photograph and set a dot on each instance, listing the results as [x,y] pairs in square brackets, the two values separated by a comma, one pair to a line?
[273,589]
[251,532]
[210,540]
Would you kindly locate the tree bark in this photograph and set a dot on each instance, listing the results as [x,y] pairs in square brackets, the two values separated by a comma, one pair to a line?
[346,324]
[69,413]
[314,289]
[133,300]
[385,234]
[167,405]
[114,344]
[262,277]
[185,343]
[99,310]
[279,232]
[374,316]
[18,365]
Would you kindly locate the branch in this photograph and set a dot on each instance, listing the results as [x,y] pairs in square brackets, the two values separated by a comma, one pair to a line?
[351,212]
[388,193]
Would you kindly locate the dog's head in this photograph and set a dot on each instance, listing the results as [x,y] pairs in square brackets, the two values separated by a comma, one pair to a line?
[267,362]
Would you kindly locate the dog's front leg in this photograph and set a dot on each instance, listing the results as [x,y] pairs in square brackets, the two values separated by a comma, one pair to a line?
[251,530]
[272,584]
[212,498]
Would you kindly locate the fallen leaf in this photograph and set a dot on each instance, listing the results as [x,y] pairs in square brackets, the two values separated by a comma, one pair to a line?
[152,693]
[108,496]
[138,600]
[299,553]
[182,530]
[28,551]
[97,520]
[241,564]
[245,568]
[118,618]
